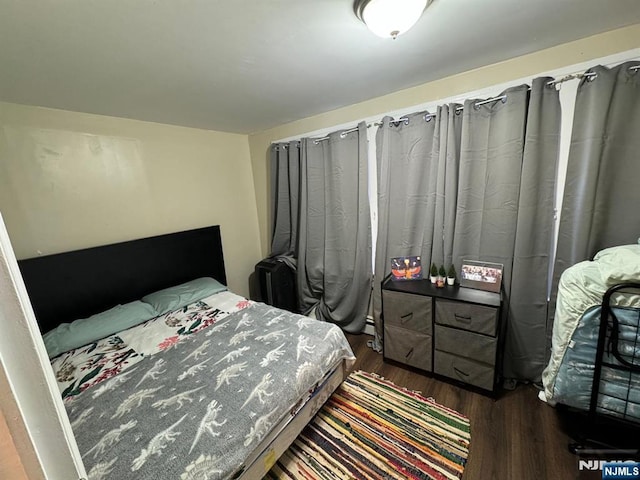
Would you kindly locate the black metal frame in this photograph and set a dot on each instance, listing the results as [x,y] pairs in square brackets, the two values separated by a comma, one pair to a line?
[608,343]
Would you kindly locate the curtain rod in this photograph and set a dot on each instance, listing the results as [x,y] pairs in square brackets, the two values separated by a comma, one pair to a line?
[343,134]
[590,76]
[427,118]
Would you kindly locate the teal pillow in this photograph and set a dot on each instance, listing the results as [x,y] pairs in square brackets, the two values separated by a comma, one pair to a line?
[68,336]
[173,298]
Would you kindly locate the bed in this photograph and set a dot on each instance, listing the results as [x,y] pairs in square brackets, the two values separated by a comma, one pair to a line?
[595,357]
[211,386]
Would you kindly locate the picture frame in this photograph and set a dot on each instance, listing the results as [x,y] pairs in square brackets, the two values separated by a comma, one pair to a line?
[406,268]
[481,275]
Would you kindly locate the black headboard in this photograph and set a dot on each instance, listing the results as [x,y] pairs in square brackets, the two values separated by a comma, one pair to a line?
[67,286]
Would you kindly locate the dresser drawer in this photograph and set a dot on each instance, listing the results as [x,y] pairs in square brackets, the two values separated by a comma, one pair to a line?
[407,346]
[477,318]
[406,310]
[473,346]
[463,369]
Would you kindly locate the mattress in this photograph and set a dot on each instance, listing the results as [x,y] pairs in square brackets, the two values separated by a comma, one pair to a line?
[568,377]
[192,393]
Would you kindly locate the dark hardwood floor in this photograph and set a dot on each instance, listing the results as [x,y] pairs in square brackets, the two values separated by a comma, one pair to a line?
[513,436]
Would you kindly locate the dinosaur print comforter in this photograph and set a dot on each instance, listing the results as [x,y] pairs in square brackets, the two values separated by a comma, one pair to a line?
[195,409]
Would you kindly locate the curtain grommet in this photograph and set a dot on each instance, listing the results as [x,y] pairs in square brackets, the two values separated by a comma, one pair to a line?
[396,123]
[428,117]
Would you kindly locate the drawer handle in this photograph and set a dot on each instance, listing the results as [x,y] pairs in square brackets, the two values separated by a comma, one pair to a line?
[460,372]
[406,318]
[462,318]
[409,353]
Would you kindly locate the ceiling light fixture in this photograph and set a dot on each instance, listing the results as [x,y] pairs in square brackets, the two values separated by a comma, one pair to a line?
[389,18]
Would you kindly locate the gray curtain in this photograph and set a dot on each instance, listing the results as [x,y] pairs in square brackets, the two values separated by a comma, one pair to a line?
[285,189]
[334,234]
[489,183]
[599,208]
[505,210]
[601,201]
[417,187]
[525,347]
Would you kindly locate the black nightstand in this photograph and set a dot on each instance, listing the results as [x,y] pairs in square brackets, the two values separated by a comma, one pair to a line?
[451,331]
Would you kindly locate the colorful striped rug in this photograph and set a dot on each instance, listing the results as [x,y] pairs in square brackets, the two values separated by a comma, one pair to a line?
[373,429]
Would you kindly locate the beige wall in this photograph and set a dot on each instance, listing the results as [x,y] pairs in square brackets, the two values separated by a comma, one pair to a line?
[71,180]
[528,65]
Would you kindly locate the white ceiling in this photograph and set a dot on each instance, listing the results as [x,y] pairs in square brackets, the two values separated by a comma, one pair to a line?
[247,65]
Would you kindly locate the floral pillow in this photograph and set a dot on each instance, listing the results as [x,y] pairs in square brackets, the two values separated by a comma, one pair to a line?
[87,366]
